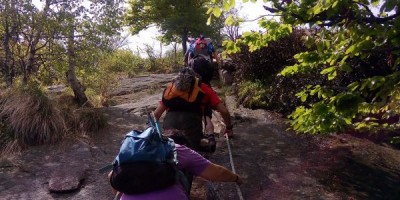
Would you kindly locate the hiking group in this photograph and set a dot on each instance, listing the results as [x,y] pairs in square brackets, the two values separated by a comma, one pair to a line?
[154,164]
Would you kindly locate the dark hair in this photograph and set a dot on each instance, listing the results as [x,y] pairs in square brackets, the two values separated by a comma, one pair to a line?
[185,79]
[203,68]
[178,136]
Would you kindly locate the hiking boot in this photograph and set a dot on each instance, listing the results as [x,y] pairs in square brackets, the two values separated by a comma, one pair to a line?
[208,143]
[212,144]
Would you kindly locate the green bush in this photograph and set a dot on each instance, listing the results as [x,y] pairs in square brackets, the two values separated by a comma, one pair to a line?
[252,94]
[123,61]
[261,68]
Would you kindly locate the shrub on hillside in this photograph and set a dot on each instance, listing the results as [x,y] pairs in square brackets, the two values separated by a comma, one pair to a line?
[266,62]
[253,94]
[260,68]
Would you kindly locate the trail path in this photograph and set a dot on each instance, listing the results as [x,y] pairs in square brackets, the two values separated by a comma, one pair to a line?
[275,163]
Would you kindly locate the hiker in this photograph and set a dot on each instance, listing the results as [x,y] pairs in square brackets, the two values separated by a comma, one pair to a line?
[201,47]
[206,71]
[184,101]
[195,164]
[157,165]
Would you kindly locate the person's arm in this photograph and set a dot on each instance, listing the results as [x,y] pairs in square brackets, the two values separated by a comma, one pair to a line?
[197,165]
[226,117]
[114,191]
[215,102]
[159,110]
[219,173]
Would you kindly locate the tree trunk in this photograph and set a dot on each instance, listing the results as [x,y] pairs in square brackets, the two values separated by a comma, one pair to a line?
[7,62]
[10,29]
[184,40]
[79,90]
[175,55]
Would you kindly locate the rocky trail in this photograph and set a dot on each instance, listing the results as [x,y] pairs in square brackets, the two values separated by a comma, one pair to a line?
[275,163]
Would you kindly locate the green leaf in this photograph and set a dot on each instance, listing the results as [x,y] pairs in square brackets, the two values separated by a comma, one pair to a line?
[346,67]
[335,4]
[351,49]
[347,104]
[226,6]
[328,70]
[209,20]
[230,20]
[232,3]
[332,75]
[209,10]
[217,11]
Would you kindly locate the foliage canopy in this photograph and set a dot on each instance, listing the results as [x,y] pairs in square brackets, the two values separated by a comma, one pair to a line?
[176,19]
[348,36]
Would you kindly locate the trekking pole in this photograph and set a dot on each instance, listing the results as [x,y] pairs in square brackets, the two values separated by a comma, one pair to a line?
[233,167]
[230,158]
[155,122]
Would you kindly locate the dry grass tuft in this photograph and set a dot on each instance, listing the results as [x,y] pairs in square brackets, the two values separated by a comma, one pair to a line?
[11,147]
[78,119]
[90,120]
[31,116]
[85,120]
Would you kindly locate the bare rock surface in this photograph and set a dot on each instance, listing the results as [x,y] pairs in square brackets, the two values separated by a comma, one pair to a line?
[275,163]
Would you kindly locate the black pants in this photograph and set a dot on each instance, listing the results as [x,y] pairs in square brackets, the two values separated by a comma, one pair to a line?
[191,125]
[188,122]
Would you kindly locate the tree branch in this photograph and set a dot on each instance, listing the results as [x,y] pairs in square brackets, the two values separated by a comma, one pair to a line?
[252,20]
[330,22]
[382,49]
[380,19]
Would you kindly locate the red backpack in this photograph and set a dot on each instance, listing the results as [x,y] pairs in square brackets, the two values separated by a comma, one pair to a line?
[201,47]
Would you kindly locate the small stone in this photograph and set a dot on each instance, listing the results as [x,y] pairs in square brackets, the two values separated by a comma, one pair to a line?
[64,181]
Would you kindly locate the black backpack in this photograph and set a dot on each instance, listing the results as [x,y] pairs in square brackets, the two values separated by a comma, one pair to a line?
[202,67]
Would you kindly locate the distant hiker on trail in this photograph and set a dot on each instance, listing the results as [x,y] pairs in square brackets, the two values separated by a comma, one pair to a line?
[185,100]
[200,57]
[201,47]
[206,71]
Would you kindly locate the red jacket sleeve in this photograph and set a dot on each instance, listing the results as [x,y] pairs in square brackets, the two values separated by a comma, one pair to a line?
[211,98]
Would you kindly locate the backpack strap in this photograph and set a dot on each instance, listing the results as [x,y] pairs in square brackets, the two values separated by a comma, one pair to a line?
[185,179]
[106,168]
[172,92]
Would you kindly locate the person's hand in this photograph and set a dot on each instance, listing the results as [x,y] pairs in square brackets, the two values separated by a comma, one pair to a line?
[228,132]
[239,180]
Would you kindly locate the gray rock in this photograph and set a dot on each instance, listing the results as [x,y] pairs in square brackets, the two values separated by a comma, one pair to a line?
[226,77]
[63,181]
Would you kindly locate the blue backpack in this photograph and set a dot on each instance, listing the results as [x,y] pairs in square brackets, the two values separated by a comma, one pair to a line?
[146,162]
